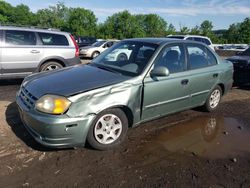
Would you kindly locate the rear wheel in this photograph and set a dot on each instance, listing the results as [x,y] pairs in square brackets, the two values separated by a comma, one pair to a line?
[108,129]
[213,99]
[51,65]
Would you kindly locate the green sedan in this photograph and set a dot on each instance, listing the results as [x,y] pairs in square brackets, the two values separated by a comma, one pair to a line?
[98,102]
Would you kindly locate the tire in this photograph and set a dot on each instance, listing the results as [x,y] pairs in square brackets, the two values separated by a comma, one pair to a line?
[213,99]
[95,54]
[122,57]
[108,129]
[51,65]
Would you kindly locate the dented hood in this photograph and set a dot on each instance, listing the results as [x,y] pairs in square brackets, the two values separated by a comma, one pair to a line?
[71,81]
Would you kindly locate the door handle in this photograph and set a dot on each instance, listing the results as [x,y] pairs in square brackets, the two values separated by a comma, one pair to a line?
[184,82]
[34,51]
[215,75]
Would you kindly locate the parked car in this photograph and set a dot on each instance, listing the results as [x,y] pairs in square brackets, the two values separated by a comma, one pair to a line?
[27,50]
[84,40]
[97,102]
[197,38]
[95,49]
[241,64]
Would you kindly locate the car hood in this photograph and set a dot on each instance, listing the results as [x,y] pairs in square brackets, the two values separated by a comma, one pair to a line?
[239,58]
[70,81]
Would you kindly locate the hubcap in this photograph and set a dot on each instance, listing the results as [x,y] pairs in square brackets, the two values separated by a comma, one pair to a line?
[51,67]
[214,98]
[95,54]
[107,129]
[122,57]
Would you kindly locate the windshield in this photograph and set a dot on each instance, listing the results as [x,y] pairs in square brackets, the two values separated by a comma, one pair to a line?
[126,57]
[98,43]
[246,52]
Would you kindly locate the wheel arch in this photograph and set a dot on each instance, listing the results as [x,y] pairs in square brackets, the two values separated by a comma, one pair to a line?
[127,111]
[55,59]
[222,87]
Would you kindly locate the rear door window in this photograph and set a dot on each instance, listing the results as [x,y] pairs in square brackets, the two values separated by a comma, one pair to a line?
[53,39]
[13,37]
[199,56]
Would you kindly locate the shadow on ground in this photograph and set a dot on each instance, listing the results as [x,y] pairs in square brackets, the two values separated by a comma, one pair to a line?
[11,82]
[14,121]
[246,87]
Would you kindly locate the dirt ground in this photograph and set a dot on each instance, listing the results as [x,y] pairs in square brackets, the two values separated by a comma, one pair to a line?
[187,149]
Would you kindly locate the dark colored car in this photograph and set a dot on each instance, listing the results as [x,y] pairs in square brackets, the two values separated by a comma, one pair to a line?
[97,102]
[241,64]
[84,41]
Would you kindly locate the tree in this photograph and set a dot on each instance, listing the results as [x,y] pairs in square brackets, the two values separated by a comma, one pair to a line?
[170,30]
[206,28]
[184,30]
[195,30]
[244,31]
[53,17]
[22,15]
[122,25]
[233,33]
[6,11]
[153,25]
[82,22]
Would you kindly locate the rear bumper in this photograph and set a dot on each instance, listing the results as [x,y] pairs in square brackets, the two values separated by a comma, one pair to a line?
[55,131]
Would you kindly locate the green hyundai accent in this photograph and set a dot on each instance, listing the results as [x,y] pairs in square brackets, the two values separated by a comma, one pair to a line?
[134,81]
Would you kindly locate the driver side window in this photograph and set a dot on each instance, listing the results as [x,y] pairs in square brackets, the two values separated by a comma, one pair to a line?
[173,58]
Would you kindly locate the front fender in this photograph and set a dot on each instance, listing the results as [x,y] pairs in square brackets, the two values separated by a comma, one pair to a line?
[94,102]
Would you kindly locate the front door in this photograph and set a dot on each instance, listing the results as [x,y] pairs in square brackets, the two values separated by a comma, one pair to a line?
[168,94]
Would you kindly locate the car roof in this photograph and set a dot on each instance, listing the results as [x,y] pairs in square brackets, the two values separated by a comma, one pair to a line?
[161,41]
[49,30]
[153,40]
[188,36]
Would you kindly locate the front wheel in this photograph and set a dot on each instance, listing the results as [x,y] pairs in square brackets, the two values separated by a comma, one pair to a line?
[95,54]
[108,129]
[213,99]
[122,57]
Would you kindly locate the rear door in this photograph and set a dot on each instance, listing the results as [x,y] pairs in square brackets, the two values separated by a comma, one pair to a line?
[203,70]
[20,54]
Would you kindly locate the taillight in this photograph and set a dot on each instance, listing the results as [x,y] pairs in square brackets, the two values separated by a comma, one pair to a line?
[76,46]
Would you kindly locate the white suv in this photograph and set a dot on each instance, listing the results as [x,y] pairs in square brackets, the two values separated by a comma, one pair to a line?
[27,50]
[197,38]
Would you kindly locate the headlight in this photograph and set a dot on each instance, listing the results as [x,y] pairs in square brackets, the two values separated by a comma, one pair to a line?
[52,104]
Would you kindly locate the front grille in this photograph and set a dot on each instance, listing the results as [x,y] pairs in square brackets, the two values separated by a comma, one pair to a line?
[27,98]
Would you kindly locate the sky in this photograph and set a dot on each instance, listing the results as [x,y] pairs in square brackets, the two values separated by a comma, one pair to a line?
[180,13]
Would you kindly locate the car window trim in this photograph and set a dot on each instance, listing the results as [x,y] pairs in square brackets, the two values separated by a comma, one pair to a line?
[167,46]
[207,48]
[17,46]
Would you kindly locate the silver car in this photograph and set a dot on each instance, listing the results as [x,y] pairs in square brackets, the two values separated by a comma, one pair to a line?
[27,50]
[95,49]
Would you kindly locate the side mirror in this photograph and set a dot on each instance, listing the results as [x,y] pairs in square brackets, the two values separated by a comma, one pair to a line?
[159,71]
